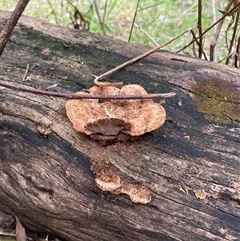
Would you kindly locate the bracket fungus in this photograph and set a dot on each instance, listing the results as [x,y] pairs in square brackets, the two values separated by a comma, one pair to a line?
[112,120]
[107,180]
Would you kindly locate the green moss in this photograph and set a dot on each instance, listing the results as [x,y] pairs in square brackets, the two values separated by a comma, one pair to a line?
[217,99]
[15,70]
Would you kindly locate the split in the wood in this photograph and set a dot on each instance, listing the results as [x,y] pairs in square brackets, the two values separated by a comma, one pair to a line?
[107,180]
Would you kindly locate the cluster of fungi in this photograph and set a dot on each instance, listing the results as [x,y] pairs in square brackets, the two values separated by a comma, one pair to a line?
[111,120]
[107,180]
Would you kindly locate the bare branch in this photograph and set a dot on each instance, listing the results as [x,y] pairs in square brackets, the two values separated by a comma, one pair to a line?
[219,20]
[233,35]
[29,89]
[199,25]
[131,61]
[99,18]
[237,56]
[26,73]
[11,23]
[216,30]
[143,31]
[196,40]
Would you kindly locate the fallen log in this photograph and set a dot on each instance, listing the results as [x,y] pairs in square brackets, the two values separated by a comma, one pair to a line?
[190,165]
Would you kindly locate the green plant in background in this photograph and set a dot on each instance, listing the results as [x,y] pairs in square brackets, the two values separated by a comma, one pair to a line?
[153,20]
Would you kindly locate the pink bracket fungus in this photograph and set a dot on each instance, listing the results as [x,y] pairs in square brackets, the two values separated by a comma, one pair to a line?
[111,120]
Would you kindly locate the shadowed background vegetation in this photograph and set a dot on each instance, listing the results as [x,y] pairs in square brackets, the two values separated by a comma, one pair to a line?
[150,22]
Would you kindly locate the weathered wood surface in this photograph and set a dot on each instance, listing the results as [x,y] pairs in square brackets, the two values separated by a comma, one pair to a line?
[191,165]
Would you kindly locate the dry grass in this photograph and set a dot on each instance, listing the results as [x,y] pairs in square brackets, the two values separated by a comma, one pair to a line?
[156,22]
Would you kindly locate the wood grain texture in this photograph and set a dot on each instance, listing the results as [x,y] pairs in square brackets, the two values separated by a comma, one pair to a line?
[191,165]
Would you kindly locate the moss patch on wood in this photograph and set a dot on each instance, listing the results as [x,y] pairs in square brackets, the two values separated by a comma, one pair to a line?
[217,99]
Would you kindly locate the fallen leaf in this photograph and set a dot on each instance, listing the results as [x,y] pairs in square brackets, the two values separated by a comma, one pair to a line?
[201,194]
[20,231]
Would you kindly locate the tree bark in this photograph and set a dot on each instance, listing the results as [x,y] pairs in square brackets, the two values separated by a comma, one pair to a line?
[190,165]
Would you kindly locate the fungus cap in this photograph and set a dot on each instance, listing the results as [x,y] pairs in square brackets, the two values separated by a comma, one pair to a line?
[115,117]
[108,184]
[137,193]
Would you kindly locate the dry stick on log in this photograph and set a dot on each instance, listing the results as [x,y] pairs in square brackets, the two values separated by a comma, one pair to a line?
[96,80]
[29,89]
[88,96]
[11,23]
[131,61]
[26,72]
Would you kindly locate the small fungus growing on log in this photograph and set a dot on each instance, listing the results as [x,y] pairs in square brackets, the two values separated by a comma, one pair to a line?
[112,120]
[107,180]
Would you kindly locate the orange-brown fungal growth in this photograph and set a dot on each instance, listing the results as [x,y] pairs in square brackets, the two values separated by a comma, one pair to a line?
[107,180]
[109,120]
[137,193]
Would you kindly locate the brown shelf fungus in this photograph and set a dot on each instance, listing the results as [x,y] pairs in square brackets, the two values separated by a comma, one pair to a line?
[107,180]
[112,120]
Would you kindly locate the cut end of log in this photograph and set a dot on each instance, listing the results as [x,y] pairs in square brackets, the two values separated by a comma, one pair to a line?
[114,120]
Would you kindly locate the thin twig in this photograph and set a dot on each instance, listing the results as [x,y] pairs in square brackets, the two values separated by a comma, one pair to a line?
[29,89]
[143,31]
[237,58]
[216,30]
[7,234]
[196,40]
[34,66]
[219,20]
[84,24]
[199,25]
[131,61]
[135,15]
[233,35]
[52,12]
[26,72]
[228,56]
[11,23]
[99,18]
[105,11]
